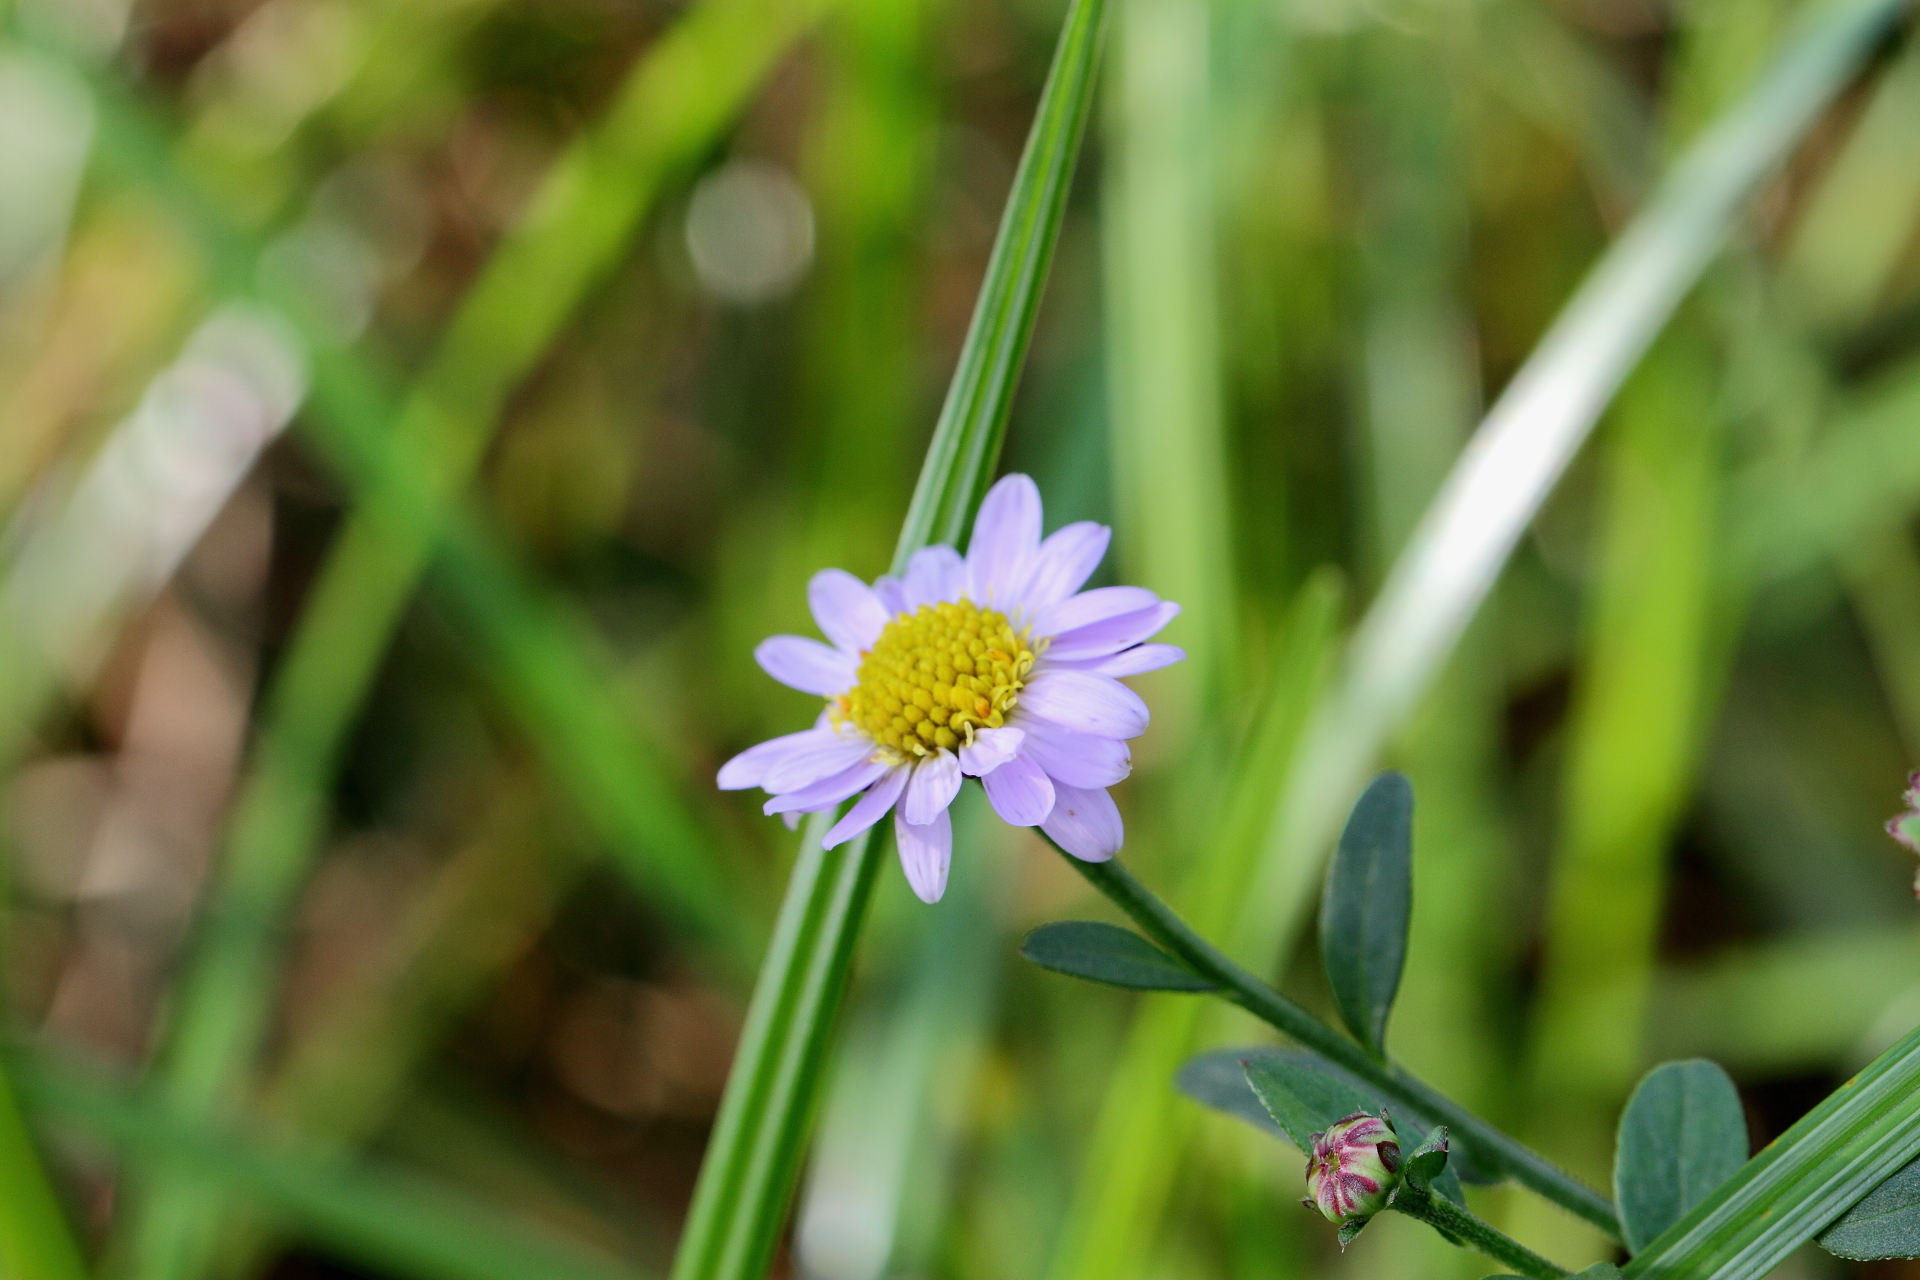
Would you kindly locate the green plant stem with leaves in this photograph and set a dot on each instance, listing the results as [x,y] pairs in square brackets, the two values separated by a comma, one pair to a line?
[1161,924]
[1457,1224]
[753,1158]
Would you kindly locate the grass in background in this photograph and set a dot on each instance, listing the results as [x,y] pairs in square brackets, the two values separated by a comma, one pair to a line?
[1261,354]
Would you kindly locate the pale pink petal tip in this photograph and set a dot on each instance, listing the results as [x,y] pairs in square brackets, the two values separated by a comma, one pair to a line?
[925,853]
[1020,791]
[1086,703]
[846,610]
[1006,537]
[990,749]
[1138,660]
[934,784]
[806,665]
[1064,562]
[1085,823]
[869,809]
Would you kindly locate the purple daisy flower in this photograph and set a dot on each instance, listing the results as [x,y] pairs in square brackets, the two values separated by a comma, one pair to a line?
[996,667]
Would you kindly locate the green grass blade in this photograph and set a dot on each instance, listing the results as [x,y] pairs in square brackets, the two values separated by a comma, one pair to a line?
[1542,419]
[973,421]
[1803,1180]
[753,1158]
[390,1221]
[36,1240]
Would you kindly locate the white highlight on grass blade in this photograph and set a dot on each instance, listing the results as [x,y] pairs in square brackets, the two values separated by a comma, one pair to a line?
[1536,427]
[152,489]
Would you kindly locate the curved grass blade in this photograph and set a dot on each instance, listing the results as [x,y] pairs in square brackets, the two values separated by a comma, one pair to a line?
[753,1158]
[1827,1162]
[1541,420]
[392,1222]
[973,420]
[1106,953]
[1683,1134]
[1367,908]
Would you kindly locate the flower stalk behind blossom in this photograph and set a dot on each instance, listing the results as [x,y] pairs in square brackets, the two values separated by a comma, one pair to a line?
[994,666]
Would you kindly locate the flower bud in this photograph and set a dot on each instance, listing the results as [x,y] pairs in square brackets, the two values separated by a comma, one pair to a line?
[1353,1170]
[1906,827]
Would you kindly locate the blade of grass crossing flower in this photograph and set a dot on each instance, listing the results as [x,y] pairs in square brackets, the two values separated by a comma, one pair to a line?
[747,1179]
[381,1218]
[1545,414]
[875,1200]
[684,91]
[1799,1182]
[973,421]
[36,1240]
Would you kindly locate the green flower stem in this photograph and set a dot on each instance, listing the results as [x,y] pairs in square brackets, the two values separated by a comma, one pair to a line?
[1457,1224]
[1263,1002]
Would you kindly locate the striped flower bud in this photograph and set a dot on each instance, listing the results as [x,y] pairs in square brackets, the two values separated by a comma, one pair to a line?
[1353,1170]
[1906,827]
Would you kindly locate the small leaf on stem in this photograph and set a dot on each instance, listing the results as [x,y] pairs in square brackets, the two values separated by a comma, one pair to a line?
[1303,1100]
[1106,953]
[1366,907]
[1428,1160]
[1682,1135]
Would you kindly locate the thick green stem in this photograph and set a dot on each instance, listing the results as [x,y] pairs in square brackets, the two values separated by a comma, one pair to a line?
[1462,1227]
[1263,1002]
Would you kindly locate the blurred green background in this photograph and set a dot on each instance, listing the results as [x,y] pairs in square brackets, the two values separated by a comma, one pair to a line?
[370,910]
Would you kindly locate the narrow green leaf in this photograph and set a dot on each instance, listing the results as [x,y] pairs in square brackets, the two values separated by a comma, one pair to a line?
[1884,1225]
[1863,1133]
[1683,1134]
[1107,953]
[1367,906]
[753,1158]
[1598,1271]
[973,420]
[1302,1099]
[390,1222]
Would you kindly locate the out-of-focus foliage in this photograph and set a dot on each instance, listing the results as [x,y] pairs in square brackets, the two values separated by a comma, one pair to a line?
[413,411]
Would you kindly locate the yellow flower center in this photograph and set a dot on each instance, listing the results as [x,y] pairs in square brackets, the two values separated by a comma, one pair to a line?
[935,676]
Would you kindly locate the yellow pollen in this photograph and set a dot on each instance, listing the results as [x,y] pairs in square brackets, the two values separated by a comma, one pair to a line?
[936,676]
